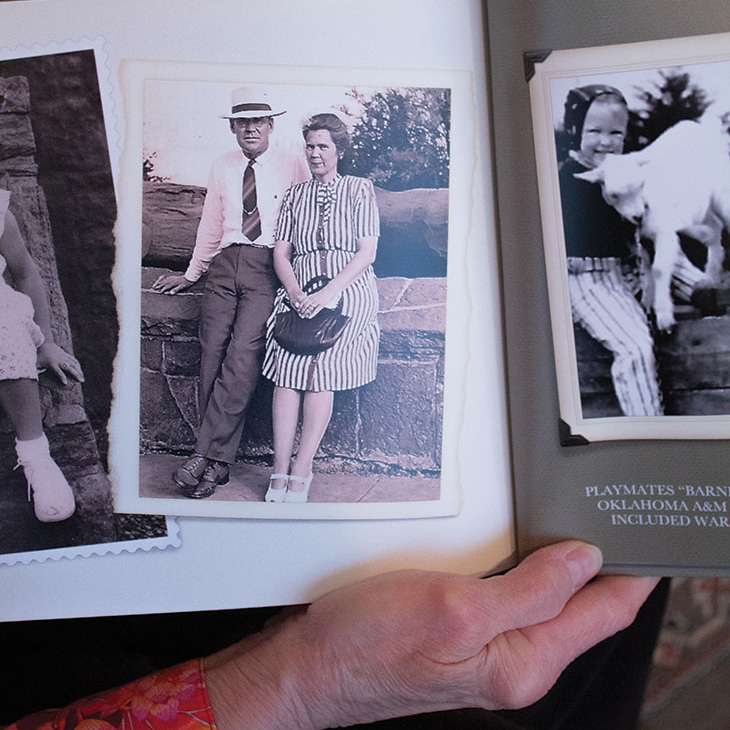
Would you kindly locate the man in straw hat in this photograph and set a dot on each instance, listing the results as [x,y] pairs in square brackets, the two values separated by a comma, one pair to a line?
[234,244]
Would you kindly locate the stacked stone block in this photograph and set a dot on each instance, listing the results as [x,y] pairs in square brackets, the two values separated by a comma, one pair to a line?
[392,424]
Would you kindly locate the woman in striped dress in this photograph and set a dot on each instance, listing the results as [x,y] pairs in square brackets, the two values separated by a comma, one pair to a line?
[328,226]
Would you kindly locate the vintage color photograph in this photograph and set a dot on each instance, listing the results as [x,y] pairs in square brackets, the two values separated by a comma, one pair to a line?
[635,193]
[293,296]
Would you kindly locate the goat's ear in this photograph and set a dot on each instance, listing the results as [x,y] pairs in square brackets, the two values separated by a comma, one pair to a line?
[592,176]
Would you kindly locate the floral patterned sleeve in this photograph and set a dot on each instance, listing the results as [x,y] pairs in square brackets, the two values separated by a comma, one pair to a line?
[173,699]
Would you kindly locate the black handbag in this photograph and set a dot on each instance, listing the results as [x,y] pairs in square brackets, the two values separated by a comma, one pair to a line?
[310,336]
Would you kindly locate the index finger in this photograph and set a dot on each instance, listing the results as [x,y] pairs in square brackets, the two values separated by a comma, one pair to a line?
[535,591]
[541,585]
[74,369]
[524,663]
[605,606]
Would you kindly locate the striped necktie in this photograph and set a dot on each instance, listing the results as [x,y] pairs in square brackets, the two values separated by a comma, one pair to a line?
[251,225]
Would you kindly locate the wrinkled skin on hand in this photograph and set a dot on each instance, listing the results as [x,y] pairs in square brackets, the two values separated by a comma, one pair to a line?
[413,642]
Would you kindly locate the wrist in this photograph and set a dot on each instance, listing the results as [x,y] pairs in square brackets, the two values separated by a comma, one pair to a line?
[260,683]
[294,294]
[334,292]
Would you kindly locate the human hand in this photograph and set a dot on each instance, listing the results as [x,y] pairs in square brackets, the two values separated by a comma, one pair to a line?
[296,298]
[52,357]
[171,284]
[412,642]
[311,304]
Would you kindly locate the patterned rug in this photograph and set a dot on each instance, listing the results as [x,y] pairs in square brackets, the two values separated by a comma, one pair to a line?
[694,637]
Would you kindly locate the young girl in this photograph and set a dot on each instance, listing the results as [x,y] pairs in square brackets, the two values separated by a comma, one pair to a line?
[598,243]
[26,345]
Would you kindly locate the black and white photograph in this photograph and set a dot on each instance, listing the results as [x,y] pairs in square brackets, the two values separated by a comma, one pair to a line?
[58,324]
[293,251]
[634,173]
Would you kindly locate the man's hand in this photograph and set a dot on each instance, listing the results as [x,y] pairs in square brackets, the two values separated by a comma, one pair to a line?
[412,642]
[55,358]
[171,284]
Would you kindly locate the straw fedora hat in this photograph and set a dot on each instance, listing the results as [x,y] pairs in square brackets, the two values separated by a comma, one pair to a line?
[249,103]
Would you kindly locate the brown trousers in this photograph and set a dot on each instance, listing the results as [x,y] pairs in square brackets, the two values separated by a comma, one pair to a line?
[237,301]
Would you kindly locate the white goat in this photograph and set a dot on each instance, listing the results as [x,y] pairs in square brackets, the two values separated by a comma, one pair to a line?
[680,183]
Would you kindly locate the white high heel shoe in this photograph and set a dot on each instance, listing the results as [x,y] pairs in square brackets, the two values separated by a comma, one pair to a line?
[276,495]
[301,494]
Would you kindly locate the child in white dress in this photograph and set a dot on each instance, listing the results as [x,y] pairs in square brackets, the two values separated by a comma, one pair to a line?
[26,345]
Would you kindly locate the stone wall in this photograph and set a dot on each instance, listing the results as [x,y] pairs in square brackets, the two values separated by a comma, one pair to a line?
[65,421]
[18,172]
[54,160]
[393,424]
[413,228]
[62,142]
[693,364]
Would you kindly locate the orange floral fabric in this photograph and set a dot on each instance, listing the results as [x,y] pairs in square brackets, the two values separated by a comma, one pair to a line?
[173,699]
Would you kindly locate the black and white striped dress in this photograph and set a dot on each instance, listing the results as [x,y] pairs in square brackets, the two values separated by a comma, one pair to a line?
[323,222]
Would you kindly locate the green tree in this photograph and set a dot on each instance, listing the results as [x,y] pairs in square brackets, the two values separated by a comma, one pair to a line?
[401,138]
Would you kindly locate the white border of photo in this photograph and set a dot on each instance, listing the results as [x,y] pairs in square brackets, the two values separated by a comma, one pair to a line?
[617,65]
[171,538]
[125,417]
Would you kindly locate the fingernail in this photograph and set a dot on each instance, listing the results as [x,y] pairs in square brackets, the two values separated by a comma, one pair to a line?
[584,561]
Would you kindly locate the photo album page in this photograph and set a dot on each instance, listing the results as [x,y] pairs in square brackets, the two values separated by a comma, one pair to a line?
[613,180]
[276,333]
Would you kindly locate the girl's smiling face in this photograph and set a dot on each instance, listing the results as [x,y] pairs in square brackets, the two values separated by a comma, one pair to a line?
[604,131]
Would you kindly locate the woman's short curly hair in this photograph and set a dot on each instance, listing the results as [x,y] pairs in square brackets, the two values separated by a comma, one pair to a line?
[334,125]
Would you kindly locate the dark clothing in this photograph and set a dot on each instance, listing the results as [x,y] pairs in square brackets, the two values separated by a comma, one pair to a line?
[56,662]
[592,227]
[239,296]
[602,299]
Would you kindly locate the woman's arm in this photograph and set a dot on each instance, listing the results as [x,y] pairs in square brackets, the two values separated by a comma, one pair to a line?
[174,699]
[397,644]
[366,250]
[283,251]
[412,642]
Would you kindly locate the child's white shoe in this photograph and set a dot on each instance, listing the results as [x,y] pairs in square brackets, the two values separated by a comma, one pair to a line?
[53,499]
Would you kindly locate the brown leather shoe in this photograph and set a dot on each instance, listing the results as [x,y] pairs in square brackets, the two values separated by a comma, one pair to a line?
[191,472]
[216,474]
